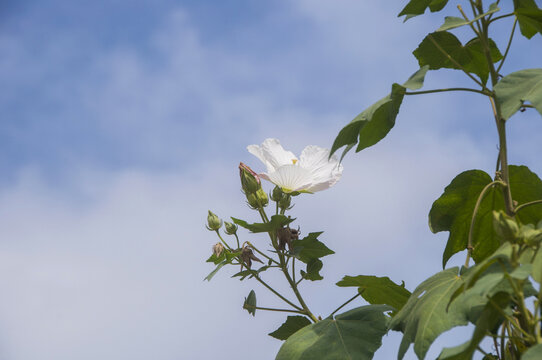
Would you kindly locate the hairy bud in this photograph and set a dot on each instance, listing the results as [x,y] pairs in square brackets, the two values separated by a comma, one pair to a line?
[213,222]
[231,229]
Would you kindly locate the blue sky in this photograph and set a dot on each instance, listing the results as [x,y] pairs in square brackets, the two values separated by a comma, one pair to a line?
[121,124]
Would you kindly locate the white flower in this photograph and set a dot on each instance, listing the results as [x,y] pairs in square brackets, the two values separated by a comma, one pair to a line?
[310,173]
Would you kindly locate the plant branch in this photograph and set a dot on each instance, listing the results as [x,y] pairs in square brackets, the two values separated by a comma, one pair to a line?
[276,293]
[507,46]
[273,309]
[346,303]
[501,17]
[447,89]
[527,204]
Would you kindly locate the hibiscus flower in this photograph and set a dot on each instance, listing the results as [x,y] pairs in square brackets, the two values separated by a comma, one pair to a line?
[313,171]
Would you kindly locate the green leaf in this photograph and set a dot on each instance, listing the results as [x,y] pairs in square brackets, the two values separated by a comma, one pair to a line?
[378,290]
[250,303]
[418,7]
[250,272]
[290,327]
[375,122]
[313,270]
[529,17]
[310,248]
[516,88]
[489,319]
[534,353]
[425,315]
[276,222]
[452,22]
[537,266]
[355,334]
[453,210]
[443,50]
[213,273]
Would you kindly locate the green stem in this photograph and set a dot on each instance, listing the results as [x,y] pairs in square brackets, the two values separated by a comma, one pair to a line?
[507,46]
[278,294]
[346,303]
[475,211]
[447,89]
[527,204]
[273,309]
[261,253]
[501,17]
[237,238]
[224,242]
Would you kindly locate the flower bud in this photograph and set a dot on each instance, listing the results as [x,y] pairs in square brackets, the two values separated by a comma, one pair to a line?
[285,202]
[505,226]
[262,197]
[231,229]
[213,222]
[277,194]
[218,249]
[250,181]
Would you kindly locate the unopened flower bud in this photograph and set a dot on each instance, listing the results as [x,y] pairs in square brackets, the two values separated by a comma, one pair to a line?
[250,181]
[262,197]
[218,249]
[252,201]
[231,229]
[277,194]
[285,202]
[213,222]
[505,226]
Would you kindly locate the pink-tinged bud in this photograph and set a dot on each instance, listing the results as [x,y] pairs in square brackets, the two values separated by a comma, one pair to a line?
[250,181]
[218,249]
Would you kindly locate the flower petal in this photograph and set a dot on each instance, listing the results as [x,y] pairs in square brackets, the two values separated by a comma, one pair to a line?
[325,172]
[291,178]
[272,154]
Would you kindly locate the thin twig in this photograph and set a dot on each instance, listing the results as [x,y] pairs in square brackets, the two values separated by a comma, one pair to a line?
[507,46]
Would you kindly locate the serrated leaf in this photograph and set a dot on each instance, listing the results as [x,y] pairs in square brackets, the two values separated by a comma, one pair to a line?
[534,353]
[375,122]
[452,211]
[425,315]
[250,303]
[529,17]
[444,50]
[489,319]
[418,7]
[355,334]
[276,222]
[290,327]
[452,22]
[310,248]
[378,290]
[518,87]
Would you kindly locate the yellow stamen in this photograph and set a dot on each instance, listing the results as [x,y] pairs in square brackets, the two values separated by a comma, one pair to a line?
[294,161]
